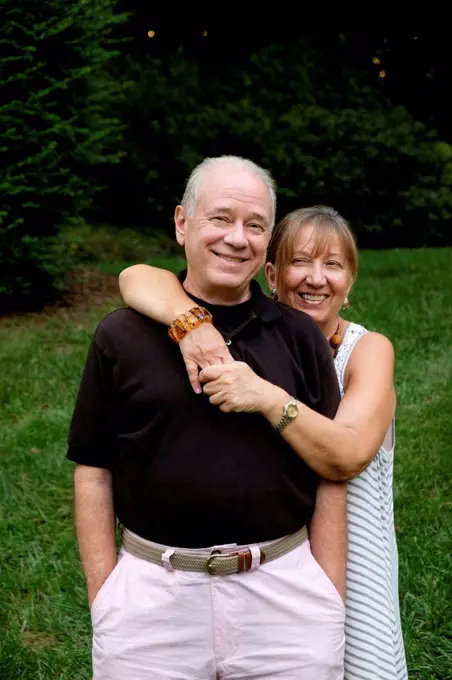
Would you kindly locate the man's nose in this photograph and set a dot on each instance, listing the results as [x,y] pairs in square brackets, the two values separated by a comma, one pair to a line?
[236,236]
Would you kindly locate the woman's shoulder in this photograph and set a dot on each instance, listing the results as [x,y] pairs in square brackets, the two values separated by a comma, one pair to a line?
[367,357]
[370,345]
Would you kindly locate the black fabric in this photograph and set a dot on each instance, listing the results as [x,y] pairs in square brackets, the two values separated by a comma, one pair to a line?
[228,319]
[184,473]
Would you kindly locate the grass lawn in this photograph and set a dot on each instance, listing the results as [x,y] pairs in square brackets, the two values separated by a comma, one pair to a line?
[45,625]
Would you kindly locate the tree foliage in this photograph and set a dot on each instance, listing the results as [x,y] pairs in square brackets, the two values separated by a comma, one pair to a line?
[56,130]
[84,133]
[312,117]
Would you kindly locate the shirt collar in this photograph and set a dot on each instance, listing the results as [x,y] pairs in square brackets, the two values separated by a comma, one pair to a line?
[265,308]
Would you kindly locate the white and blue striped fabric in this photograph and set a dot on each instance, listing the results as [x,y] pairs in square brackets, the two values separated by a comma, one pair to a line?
[374,647]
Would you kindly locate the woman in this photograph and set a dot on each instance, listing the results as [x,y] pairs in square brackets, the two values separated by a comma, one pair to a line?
[312,265]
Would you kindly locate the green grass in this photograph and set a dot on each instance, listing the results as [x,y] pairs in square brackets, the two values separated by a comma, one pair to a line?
[44,619]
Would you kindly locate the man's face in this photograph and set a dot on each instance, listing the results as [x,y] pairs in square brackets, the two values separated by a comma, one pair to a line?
[226,238]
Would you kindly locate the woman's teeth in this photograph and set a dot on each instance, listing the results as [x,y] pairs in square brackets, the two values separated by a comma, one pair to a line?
[313,298]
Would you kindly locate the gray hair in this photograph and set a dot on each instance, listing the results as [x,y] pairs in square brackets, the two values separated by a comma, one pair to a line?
[197,177]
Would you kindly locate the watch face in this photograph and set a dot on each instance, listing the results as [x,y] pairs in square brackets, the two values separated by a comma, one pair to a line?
[292,410]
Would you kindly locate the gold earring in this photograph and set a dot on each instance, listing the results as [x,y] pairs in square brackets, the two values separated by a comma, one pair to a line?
[346,303]
[274,293]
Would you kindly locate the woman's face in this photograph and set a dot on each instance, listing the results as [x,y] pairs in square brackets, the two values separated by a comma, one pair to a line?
[316,283]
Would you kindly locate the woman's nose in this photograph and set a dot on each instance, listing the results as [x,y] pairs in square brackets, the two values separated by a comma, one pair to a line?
[316,276]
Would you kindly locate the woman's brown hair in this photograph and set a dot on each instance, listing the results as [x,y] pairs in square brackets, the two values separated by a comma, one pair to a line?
[326,222]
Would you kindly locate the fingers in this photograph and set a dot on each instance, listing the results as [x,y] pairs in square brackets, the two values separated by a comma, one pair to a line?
[194,365]
[217,399]
[212,359]
[206,346]
[210,373]
[214,356]
[193,375]
[212,387]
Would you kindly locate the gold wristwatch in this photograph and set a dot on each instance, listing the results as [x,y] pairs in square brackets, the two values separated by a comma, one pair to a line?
[289,413]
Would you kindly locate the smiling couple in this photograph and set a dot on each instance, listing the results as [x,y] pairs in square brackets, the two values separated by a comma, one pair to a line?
[230,473]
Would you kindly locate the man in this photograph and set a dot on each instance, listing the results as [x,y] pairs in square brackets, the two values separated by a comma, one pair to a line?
[215,577]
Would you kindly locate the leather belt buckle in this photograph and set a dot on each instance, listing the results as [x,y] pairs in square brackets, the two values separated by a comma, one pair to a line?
[244,560]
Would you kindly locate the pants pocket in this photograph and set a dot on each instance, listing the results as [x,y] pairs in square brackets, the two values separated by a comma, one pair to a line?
[329,586]
[107,585]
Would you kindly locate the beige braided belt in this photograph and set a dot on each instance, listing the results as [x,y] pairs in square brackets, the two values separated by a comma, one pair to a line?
[212,562]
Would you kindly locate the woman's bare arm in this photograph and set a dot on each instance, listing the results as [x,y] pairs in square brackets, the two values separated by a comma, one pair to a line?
[342,448]
[157,293]
[337,449]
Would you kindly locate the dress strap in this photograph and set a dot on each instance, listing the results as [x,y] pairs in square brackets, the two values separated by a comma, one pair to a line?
[353,333]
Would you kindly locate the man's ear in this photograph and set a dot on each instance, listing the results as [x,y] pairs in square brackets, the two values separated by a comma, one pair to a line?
[270,273]
[180,222]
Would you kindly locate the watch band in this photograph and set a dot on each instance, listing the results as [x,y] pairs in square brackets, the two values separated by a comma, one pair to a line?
[289,413]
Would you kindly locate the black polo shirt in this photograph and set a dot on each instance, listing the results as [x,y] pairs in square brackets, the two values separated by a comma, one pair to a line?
[184,473]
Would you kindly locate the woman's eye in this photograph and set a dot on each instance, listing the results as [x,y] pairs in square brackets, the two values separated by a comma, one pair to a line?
[333,263]
[301,260]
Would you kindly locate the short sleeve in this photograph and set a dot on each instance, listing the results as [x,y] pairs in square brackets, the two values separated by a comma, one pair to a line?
[91,439]
[329,395]
[329,388]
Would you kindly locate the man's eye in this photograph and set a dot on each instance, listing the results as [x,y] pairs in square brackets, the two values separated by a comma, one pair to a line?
[256,227]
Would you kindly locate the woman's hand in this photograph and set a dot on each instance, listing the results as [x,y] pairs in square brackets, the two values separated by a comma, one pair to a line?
[201,347]
[236,387]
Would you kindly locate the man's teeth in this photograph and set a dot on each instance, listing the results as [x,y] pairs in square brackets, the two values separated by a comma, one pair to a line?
[313,298]
[230,259]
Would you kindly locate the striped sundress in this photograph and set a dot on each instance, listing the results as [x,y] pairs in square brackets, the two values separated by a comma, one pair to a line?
[374,644]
